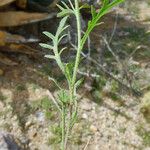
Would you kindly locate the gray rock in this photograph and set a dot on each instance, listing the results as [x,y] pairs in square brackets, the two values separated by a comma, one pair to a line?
[7,142]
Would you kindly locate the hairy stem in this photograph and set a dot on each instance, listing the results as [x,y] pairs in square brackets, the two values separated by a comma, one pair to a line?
[63,128]
[72,85]
[67,133]
[77,61]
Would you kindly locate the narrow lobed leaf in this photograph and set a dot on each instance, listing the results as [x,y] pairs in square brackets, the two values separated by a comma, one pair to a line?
[93,22]
[55,81]
[62,37]
[50,56]
[71,4]
[74,118]
[105,2]
[63,96]
[85,6]
[69,70]
[106,8]
[114,3]
[93,12]
[78,83]
[64,13]
[48,34]
[61,25]
[65,28]
[98,24]
[65,5]
[62,50]
[60,7]
[89,22]
[46,46]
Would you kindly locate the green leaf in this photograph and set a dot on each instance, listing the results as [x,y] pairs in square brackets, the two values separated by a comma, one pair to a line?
[65,5]
[69,70]
[46,46]
[62,37]
[105,2]
[50,56]
[95,19]
[99,23]
[61,25]
[79,82]
[108,6]
[48,34]
[65,28]
[89,23]
[93,11]
[56,83]
[60,7]
[85,6]
[62,50]
[74,118]
[63,96]
[114,3]
[63,13]
[71,4]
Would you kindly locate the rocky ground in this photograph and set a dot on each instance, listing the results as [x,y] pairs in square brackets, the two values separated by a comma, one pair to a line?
[109,125]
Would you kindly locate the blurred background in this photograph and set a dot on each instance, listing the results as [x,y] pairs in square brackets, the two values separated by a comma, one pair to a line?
[114,109]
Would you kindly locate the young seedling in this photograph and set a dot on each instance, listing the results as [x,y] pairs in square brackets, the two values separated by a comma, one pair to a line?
[66,99]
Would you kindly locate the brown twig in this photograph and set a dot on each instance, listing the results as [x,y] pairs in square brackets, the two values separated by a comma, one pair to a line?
[87,144]
[134,92]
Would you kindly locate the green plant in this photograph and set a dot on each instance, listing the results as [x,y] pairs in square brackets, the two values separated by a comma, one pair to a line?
[145,106]
[66,100]
[122,130]
[56,138]
[20,87]
[48,108]
[2,97]
[45,105]
[144,134]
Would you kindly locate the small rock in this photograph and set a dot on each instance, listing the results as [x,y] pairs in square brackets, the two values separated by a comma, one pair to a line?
[93,129]
[84,116]
[86,106]
[7,142]
[28,124]
[14,118]
[40,116]
[24,140]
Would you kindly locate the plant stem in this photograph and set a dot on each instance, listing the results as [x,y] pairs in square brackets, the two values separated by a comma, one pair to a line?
[63,128]
[67,133]
[77,61]
[72,85]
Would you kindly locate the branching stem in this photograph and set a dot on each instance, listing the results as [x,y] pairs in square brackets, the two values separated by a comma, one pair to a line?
[63,128]
[67,99]
[77,60]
